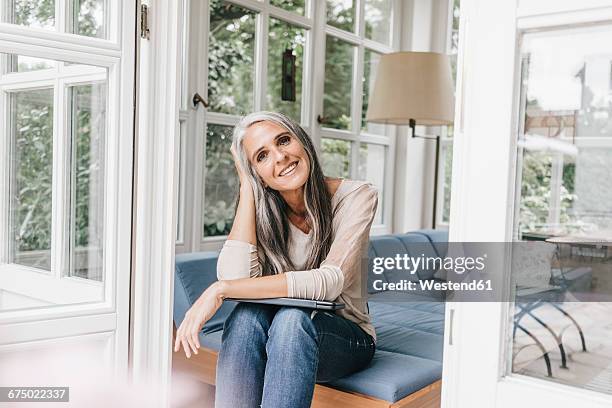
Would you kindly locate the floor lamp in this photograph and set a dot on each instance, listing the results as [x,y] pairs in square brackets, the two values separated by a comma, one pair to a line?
[414,88]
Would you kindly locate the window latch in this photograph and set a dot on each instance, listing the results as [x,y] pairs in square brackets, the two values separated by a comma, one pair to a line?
[144,22]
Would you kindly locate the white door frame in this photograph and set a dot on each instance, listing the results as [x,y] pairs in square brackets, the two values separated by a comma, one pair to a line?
[156,198]
[482,202]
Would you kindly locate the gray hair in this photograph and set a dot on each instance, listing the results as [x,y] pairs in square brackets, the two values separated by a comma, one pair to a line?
[272,222]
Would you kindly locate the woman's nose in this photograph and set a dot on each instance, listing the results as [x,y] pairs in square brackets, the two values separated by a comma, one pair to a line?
[279,155]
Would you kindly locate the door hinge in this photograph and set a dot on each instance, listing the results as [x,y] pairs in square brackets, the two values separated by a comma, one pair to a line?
[144,21]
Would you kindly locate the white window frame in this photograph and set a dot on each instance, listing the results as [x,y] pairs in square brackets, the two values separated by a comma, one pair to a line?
[356,136]
[196,119]
[115,58]
[446,142]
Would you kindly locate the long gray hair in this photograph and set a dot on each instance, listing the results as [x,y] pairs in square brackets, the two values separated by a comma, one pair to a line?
[272,222]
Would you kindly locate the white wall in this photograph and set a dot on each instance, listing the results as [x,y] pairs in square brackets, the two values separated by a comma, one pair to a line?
[424,28]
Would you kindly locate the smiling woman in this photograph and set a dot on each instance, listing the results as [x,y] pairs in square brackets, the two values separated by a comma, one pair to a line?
[296,234]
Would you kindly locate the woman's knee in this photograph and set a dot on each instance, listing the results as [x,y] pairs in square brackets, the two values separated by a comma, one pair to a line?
[292,322]
[248,317]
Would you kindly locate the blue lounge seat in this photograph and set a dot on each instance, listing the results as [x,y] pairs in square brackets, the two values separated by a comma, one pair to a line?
[409,328]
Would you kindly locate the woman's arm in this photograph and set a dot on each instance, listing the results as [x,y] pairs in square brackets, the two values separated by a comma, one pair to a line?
[243,228]
[238,257]
[212,298]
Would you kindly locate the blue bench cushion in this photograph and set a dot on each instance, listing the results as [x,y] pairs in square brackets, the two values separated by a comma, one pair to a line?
[409,327]
[392,376]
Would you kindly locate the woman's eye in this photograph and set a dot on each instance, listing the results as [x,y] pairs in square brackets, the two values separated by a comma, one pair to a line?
[284,140]
[261,156]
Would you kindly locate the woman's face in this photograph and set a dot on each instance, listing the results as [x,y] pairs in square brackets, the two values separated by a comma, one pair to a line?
[277,156]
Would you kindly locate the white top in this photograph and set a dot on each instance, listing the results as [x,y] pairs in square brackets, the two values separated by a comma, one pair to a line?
[299,246]
[342,276]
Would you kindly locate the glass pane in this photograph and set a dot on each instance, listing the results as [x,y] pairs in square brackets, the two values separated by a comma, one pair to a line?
[88,121]
[89,18]
[565,162]
[370,66]
[284,37]
[372,159]
[231,58]
[221,182]
[341,14]
[30,13]
[448,176]
[10,63]
[335,157]
[31,125]
[378,20]
[297,6]
[338,83]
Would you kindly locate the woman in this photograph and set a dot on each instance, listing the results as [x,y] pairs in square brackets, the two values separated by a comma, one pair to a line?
[295,234]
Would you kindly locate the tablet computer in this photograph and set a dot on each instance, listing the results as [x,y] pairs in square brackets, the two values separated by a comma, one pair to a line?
[293,302]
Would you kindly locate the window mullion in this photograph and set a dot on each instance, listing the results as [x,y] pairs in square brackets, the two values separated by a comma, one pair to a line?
[261,60]
[61,15]
[318,69]
[60,203]
[4,174]
[356,102]
[360,18]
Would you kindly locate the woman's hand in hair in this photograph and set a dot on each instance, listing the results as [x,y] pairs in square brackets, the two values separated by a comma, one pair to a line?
[242,175]
[202,310]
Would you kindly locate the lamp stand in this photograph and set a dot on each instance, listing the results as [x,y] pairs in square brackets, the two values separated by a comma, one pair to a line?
[412,124]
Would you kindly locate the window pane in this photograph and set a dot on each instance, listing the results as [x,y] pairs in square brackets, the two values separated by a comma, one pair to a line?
[88,121]
[21,63]
[231,58]
[89,18]
[285,37]
[378,20]
[372,159]
[338,83]
[31,177]
[221,182]
[565,162]
[335,157]
[31,13]
[341,14]
[448,176]
[297,6]
[370,66]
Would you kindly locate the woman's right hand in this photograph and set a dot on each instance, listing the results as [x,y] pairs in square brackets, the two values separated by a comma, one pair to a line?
[242,176]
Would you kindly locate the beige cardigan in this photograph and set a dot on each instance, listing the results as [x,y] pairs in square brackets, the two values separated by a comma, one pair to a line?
[342,276]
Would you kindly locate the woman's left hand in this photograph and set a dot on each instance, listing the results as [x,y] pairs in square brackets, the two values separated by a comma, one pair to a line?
[202,310]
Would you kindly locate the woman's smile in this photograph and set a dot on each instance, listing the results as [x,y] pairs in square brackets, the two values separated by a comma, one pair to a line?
[289,169]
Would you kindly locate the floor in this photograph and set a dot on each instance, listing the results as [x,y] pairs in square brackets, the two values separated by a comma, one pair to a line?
[591,369]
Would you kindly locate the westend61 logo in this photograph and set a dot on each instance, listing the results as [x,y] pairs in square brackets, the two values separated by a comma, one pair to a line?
[412,264]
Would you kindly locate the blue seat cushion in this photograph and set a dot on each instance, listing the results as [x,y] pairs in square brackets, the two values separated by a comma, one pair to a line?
[408,330]
[418,245]
[389,246]
[392,376]
[438,238]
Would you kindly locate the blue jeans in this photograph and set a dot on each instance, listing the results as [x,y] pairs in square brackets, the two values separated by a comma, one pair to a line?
[271,356]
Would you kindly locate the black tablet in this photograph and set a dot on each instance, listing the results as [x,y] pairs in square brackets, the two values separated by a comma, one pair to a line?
[310,304]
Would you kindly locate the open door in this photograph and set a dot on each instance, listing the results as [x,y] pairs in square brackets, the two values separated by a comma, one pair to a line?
[67,73]
[532,162]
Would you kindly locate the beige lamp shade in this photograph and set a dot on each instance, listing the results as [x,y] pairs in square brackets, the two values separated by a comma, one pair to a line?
[412,85]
